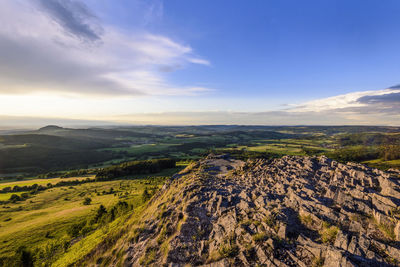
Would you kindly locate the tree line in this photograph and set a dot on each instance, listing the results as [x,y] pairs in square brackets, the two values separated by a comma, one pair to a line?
[135,167]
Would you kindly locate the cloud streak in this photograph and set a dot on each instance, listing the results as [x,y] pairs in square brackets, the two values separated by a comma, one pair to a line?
[61,46]
[74,17]
[380,107]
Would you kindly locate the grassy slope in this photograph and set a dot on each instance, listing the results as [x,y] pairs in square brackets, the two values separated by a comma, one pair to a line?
[115,251]
[54,210]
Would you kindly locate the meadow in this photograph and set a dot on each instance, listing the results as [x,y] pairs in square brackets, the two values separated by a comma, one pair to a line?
[42,222]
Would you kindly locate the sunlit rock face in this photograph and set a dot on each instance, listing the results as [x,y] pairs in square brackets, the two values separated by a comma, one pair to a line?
[292,211]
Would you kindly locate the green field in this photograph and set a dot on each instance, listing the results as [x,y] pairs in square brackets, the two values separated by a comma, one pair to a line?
[379,163]
[145,148]
[41,181]
[285,146]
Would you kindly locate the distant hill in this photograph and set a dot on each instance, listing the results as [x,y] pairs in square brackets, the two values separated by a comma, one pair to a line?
[50,128]
[42,152]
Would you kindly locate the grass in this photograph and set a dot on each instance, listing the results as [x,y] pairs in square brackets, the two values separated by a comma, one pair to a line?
[260,237]
[306,219]
[6,196]
[382,164]
[228,250]
[318,262]
[328,233]
[284,146]
[149,257]
[46,216]
[386,229]
[270,220]
[145,148]
[88,243]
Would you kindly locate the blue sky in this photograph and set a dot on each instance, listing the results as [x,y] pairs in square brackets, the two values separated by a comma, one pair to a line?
[189,62]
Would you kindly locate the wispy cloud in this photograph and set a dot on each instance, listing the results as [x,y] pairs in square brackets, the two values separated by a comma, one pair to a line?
[74,17]
[61,46]
[380,107]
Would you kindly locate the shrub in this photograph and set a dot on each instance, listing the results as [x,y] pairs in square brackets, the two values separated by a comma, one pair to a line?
[101,212]
[318,262]
[14,198]
[75,229]
[25,257]
[163,234]
[260,237]
[145,195]
[245,223]
[87,201]
[149,257]
[386,229]
[328,233]
[306,219]
[270,220]
[228,250]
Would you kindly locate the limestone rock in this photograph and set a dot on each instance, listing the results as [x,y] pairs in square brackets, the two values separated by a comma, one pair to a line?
[290,211]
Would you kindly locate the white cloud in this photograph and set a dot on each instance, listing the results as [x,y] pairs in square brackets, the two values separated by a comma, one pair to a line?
[345,101]
[61,46]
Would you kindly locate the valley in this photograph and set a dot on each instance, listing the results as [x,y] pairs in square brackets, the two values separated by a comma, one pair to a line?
[274,194]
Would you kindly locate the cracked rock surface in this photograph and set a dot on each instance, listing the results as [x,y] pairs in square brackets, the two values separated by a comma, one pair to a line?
[291,211]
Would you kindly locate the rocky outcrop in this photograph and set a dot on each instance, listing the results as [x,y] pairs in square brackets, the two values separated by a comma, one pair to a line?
[292,211]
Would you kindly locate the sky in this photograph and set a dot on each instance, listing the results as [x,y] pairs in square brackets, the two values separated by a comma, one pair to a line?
[275,62]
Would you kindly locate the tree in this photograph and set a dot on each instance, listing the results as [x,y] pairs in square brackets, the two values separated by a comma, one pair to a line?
[87,201]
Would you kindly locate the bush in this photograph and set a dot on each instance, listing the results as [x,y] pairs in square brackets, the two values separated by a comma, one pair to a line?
[25,257]
[75,229]
[145,195]
[87,201]
[14,198]
[101,212]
